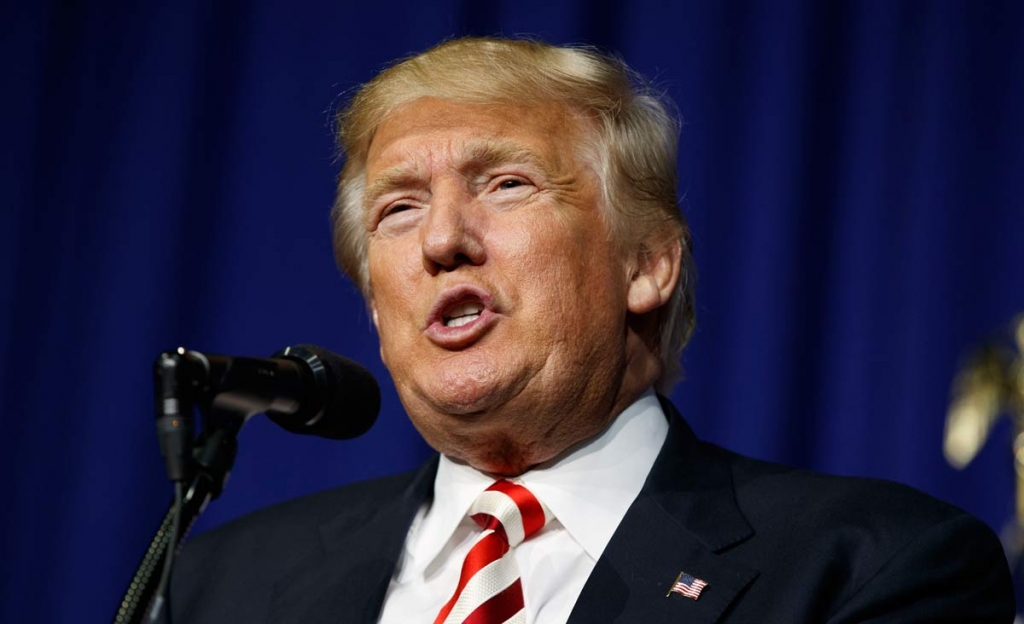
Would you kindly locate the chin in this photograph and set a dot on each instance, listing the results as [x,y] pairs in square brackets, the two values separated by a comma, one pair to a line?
[458,402]
[465,392]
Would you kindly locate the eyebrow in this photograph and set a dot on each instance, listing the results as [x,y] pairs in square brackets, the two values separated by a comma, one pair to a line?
[483,155]
[392,179]
[477,157]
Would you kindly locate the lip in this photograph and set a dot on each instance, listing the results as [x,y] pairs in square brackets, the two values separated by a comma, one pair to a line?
[465,335]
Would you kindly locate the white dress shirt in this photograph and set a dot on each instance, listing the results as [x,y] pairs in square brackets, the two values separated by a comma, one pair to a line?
[588,491]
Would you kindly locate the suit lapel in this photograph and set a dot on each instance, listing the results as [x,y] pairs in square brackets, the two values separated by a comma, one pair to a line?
[685,515]
[360,549]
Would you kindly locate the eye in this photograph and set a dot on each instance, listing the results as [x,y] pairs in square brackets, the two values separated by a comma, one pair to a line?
[508,190]
[397,208]
[511,183]
[397,217]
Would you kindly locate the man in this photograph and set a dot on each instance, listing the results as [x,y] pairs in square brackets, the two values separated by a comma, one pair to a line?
[509,210]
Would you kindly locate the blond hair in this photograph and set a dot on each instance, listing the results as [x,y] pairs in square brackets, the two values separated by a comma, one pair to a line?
[633,149]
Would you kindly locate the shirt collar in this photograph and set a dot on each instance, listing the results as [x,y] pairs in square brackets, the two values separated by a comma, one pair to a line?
[588,490]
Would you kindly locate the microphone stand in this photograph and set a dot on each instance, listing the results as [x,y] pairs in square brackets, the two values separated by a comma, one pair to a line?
[212,459]
[222,389]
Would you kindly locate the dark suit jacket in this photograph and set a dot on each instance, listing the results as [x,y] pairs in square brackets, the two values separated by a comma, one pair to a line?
[774,544]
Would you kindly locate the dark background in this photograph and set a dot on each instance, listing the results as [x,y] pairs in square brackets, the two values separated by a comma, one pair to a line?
[852,172]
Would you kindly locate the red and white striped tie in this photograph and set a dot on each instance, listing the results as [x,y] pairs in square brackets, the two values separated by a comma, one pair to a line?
[490,591]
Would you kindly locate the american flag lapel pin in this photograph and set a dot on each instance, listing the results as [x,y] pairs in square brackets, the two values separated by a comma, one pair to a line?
[687,585]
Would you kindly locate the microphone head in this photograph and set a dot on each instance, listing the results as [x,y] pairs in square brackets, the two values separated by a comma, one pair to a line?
[344,396]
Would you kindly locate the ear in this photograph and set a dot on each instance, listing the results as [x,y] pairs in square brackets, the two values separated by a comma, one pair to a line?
[655,277]
[376,325]
[373,314]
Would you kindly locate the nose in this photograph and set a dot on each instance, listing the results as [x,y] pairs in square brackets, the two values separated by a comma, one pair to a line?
[451,234]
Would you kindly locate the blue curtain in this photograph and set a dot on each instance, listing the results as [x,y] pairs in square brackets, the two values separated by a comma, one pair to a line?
[852,172]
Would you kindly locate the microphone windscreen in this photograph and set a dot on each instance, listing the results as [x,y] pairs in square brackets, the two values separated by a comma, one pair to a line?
[347,393]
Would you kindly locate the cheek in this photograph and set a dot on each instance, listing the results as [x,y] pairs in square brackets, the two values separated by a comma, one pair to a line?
[533,262]
[516,242]
[392,269]
[393,294]
[562,274]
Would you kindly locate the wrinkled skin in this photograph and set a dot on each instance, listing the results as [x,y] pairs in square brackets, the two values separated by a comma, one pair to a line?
[488,212]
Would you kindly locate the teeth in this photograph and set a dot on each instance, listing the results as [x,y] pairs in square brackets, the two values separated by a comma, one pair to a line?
[463,313]
[463,309]
[462,320]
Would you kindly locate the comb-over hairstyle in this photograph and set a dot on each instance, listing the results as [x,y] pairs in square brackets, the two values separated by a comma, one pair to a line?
[632,148]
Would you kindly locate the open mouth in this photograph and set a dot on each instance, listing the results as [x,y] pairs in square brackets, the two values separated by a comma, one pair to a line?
[463,314]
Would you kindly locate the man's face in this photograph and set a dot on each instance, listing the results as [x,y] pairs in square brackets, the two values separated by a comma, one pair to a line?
[498,294]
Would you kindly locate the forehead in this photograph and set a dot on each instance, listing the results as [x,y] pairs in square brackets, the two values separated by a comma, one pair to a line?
[429,130]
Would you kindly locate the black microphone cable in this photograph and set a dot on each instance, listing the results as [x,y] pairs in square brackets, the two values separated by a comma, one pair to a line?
[161,599]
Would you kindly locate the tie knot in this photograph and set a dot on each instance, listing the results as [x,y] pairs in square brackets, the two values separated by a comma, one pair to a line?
[510,510]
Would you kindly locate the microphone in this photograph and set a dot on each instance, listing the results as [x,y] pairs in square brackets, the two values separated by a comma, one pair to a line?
[347,392]
[304,389]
